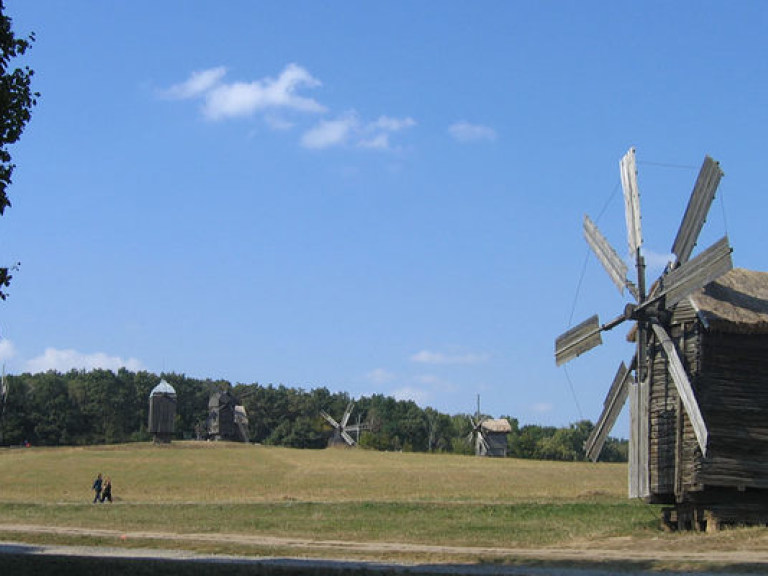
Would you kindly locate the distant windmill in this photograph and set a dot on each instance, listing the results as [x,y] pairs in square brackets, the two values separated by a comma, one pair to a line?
[162,412]
[341,430]
[227,418]
[488,435]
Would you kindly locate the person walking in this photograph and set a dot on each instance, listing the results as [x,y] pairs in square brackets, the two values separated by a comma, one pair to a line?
[97,484]
[107,493]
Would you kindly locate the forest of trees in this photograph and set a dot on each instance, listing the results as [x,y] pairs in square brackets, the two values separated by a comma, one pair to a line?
[104,407]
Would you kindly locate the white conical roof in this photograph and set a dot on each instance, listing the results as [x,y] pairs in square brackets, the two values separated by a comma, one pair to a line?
[163,388]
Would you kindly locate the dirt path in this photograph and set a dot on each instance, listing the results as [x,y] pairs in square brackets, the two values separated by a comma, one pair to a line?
[618,553]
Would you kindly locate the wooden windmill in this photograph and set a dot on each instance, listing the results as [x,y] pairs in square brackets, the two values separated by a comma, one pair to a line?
[162,412]
[341,430]
[488,436]
[227,418]
[675,451]
[476,436]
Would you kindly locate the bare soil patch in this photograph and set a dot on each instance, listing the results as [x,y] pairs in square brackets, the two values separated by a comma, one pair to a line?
[615,555]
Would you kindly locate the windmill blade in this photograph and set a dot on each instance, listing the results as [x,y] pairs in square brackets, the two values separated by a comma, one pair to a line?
[476,423]
[585,336]
[347,438]
[577,340]
[614,402]
[330,420]
[613,264]
[698,207]
[356,427]
[347,413]
[697,273]
[683,386]
[483,441]
[628,169]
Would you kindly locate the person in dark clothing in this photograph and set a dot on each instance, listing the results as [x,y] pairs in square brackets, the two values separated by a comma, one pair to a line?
[107,493]
[97,488]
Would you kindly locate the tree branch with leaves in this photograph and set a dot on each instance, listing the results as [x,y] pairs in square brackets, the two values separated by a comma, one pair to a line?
[16,102]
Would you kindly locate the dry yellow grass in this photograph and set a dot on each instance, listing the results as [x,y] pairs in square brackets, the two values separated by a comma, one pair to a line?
[211,472]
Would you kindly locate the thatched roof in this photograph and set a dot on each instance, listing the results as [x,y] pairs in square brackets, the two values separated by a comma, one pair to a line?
[501,426]
[735,302]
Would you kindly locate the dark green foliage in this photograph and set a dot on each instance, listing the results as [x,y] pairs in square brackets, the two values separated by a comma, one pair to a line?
[393,424]
[101,407]
[16,102]
[17,420]
[550,443]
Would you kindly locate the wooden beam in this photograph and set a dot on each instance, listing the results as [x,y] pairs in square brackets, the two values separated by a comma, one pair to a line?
[638,441]
[614,402]
[683,385]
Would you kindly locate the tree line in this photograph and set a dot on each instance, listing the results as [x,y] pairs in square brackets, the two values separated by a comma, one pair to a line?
[104,407]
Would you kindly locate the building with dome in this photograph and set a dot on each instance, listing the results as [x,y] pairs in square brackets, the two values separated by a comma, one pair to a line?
[162,412]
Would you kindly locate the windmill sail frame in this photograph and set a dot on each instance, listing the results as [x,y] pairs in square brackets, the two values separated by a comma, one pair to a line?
[341,430]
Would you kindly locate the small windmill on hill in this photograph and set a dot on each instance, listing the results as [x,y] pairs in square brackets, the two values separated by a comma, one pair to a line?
[488,436]
[696,383]
[227,418]
[341,430]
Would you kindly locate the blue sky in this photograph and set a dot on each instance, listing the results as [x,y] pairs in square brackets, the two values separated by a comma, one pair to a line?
[372,197]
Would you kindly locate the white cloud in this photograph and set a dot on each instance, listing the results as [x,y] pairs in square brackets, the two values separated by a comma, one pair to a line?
[542,407]
[436,384]
[7,350]
[276,97]
[349,129]
[375,135]
[245,98]
[380,376]
[408,393]
[65,360]
[378,142]
[278,123]
[234,99]
[428,357]
[329,133]
[197,84]
[466,132]
[388,124]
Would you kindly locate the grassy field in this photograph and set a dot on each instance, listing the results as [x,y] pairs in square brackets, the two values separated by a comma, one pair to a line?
[218,473]
[188,495]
